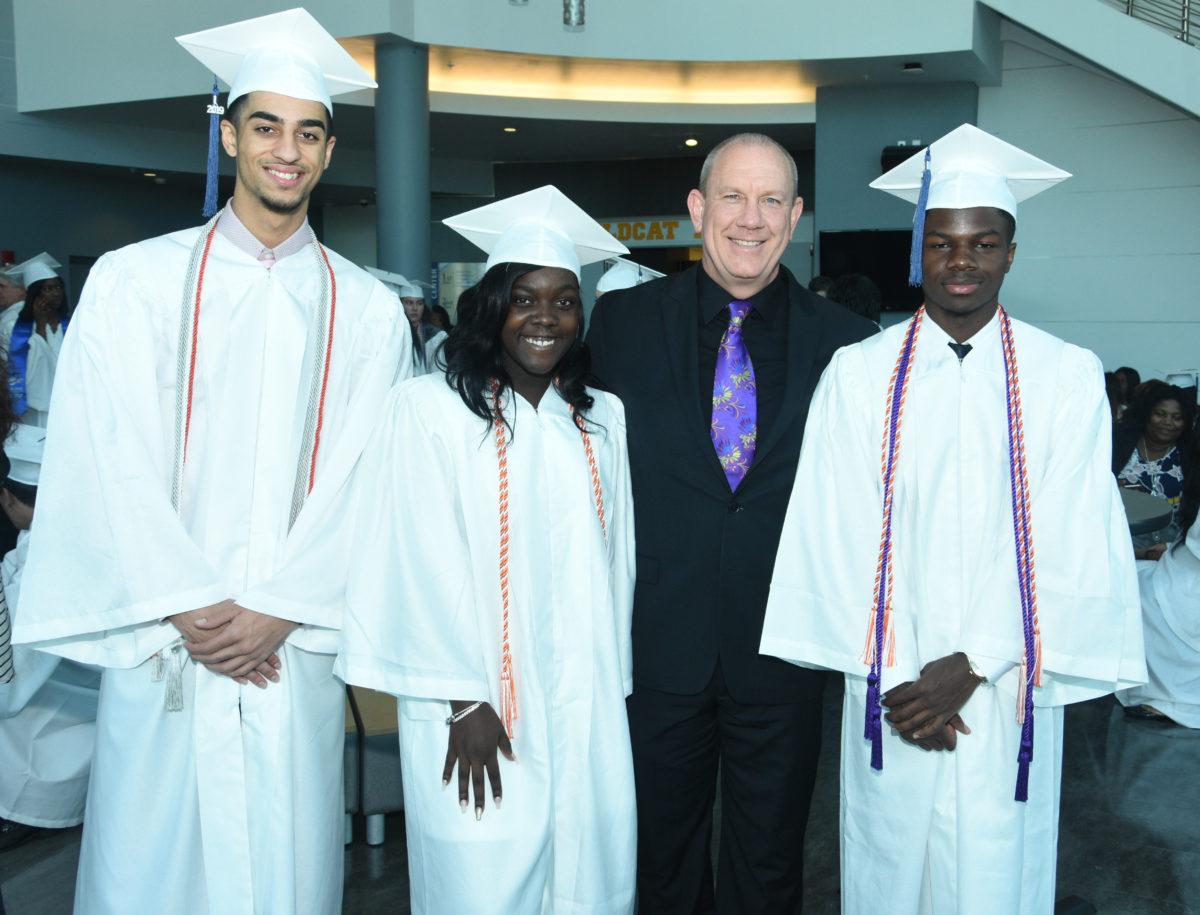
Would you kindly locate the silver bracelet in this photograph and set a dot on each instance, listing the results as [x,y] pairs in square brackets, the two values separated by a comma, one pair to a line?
[459,716]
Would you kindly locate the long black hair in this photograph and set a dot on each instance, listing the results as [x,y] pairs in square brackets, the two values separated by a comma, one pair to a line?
[472,350]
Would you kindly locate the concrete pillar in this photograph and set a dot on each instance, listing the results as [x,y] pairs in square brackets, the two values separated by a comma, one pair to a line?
[402,158]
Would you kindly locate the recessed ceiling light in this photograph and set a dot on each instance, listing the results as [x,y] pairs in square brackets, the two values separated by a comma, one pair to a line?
[691,141]
[510,130]
[913,67]
[150,174]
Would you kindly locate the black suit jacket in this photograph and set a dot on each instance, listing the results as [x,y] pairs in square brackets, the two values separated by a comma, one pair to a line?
[705,555]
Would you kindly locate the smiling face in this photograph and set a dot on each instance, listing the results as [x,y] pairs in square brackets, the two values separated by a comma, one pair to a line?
[965,255]
[544,319]
[1165,424]
[282,147]
[746,216]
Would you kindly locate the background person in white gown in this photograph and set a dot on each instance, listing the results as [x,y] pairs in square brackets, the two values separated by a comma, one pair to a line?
[1170,590]
[48,710]
[35,342]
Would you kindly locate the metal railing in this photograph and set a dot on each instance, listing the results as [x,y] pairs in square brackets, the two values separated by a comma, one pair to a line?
[1179,17]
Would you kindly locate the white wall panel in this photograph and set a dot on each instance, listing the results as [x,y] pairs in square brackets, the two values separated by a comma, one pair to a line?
[1109,259]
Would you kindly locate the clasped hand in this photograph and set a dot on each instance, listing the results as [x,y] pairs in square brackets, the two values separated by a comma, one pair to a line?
[925,712]
[233,641]
[472,745]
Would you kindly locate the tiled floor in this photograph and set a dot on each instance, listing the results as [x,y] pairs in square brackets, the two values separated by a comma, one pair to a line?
[1129,834]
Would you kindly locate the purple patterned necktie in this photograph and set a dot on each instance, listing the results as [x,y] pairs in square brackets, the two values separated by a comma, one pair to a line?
[734,404]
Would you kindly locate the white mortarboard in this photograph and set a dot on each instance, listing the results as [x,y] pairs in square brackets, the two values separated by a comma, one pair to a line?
[966,168]
[41,267]
[399,284]
[287,53]
[542,227]
[24,448]
[623,274]
[1183,378]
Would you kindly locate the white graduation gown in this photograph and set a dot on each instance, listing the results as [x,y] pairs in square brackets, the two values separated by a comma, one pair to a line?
[937,831]
[1170,590]
[423,621]
[433,362]
[47,726]
[234,804]
[39,374]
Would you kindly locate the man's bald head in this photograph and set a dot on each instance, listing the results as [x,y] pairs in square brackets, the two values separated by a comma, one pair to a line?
[748,139]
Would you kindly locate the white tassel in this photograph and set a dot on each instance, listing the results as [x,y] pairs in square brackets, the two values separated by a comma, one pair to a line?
[158,667]
[175,681]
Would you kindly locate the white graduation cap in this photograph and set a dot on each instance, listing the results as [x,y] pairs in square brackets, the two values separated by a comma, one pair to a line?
[41,267]
[287,53]
[624,274]
[968,167]
[24,448]
[1183,378]
[399,284]
[542,227]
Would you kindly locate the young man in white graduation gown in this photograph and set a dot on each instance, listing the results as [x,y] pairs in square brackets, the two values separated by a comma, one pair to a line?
[503,622]
[216,385]
[48,709]
[960,640]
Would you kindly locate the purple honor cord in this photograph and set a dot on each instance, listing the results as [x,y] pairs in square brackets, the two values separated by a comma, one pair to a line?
[1023,541]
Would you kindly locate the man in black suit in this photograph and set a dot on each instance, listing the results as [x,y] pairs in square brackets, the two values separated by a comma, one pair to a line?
[706,543]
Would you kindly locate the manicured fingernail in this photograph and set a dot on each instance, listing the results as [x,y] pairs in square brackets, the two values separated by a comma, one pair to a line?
[205,620]
[496,801]
[445,782]
[462,805]
[478,814]
[274,678]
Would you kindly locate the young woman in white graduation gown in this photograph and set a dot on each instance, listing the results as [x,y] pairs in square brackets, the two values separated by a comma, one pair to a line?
[492,594]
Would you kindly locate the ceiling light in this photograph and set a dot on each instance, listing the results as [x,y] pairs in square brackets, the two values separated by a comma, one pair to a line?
[913,67]
[150,174]
[691,141]
[510,130]
[573,16]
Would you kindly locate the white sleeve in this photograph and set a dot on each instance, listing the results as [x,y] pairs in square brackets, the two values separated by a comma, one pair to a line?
[818,611]
[411,624]
[109,557]
[39,372]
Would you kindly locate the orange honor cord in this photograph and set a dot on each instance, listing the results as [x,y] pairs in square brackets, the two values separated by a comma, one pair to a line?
[508,687]
[191,378]
[312,468]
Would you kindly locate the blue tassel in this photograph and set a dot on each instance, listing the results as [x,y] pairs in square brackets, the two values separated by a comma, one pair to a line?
[918,238]
[214,135]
